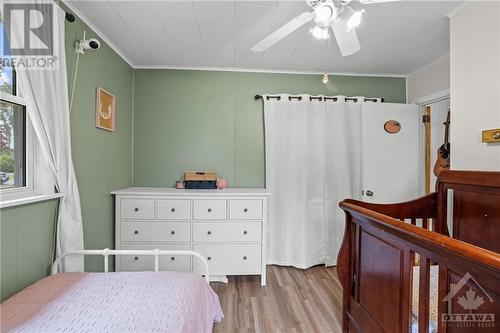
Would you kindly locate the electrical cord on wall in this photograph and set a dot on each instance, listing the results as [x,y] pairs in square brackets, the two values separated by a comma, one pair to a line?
[74,77]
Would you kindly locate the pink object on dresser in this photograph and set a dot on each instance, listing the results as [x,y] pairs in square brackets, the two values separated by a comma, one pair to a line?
[221,183]
[114,302]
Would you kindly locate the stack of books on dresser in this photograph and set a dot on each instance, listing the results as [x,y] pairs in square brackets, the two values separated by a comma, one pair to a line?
[200,180]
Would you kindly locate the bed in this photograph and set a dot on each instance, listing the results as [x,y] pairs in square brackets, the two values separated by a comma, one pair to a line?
[115,302]
[428,265]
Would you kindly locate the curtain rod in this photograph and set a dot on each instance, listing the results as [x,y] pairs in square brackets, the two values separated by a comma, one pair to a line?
[319,98]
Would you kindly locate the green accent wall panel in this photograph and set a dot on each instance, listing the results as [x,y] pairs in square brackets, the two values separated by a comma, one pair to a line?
[209,120]
[102,159]
[26,245]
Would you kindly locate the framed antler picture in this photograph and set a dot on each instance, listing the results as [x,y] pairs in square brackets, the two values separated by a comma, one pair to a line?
[105,110]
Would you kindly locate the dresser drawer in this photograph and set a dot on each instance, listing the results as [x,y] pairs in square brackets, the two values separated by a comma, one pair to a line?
[139,209]
[230,259]
[147,263]
[155,231]
[173,209]
[209,209]
[227,232]
[245,209]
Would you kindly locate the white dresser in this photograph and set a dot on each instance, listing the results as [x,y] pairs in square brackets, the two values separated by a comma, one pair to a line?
[228,227]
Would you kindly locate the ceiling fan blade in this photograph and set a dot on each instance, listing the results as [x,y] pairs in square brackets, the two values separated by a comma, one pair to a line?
[283,31]
[346,39]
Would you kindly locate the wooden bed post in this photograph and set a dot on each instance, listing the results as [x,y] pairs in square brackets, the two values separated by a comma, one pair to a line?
[440,223]
[344,267]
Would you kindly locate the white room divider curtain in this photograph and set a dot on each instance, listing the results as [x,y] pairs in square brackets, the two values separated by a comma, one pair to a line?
[343,176]
[295,150]
[46,94]
[313,161]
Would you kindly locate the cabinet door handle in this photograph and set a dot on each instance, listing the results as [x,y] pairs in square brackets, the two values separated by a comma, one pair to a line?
[172,258]
[136,209]
[244,257]
[172,210]
[245,232]
[136,232]
[172,232]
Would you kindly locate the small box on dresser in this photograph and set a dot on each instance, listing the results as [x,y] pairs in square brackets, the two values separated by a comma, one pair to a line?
[228,227]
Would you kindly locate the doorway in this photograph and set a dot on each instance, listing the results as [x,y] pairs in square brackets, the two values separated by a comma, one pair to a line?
[436,113]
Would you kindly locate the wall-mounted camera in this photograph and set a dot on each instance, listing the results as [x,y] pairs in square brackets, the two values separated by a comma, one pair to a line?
[87,44]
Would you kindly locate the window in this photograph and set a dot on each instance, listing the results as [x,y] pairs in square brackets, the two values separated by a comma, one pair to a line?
[12,133]
[16,138]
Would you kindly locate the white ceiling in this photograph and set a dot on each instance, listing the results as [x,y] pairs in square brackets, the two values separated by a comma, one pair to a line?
[396,37]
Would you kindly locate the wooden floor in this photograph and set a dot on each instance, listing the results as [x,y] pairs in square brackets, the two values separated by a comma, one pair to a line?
[294,300]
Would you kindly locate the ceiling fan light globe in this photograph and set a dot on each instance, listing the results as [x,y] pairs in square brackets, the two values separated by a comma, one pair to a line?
[320,32]
[355,19]
[325,13]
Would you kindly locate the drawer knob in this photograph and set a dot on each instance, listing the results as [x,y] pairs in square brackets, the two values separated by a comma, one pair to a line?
[172,258]
[245,232]
[244,257]
[136,209]
[209,210]
[172,232]
[209,258]
[172,210]
[136,232]
[136,258]
[209,232]
[245,210]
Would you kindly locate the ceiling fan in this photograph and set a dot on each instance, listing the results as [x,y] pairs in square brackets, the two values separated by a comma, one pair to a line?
[336,14]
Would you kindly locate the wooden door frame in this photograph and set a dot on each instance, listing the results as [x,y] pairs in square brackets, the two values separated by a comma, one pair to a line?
[427,118]
[426,102]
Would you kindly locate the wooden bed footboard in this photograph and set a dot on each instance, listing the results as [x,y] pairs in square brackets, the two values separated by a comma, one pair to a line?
[376,269]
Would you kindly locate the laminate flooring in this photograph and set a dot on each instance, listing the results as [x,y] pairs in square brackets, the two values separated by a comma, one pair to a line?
[294,300]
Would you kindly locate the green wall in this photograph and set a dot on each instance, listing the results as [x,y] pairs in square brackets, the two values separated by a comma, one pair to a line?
[102,160]
[27,245]
[201,120]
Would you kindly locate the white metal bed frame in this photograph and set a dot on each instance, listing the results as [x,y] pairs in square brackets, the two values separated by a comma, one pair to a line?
[156,253]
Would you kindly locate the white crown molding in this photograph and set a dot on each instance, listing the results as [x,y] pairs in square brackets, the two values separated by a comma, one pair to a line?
[267,71]
[458,8]
[98,32]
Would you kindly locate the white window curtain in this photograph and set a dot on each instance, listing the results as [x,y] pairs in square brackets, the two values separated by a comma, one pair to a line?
[46,95]
[313,161]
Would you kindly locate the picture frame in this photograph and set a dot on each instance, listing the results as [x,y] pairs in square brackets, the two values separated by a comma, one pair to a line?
[105,110]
